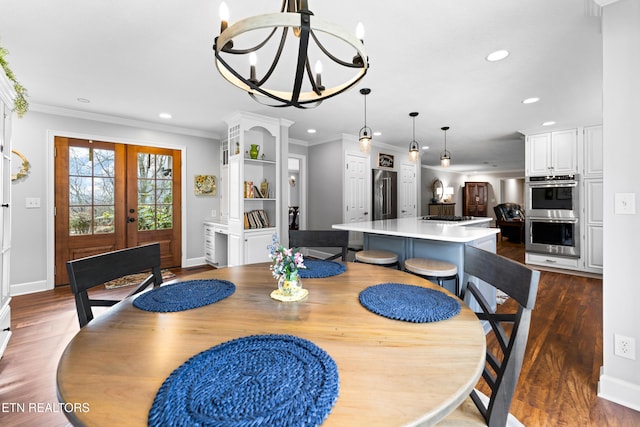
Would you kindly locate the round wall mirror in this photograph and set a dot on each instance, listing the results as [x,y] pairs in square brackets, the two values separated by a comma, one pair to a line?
[438,190]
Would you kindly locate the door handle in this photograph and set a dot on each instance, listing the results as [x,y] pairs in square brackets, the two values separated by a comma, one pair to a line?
[131,219]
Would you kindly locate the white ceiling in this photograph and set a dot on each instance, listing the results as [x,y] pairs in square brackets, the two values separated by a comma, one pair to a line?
[135,59]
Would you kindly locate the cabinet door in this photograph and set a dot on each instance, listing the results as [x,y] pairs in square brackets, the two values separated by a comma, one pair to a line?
[564,152]
[593,151]
[476,195]
[595,245]
[255,247]
[538,154]
[594,201]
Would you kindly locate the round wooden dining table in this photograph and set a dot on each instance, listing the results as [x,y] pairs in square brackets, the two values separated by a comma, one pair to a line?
[391,372]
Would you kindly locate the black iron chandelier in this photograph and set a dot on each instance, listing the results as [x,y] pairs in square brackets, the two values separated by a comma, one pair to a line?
[294,22]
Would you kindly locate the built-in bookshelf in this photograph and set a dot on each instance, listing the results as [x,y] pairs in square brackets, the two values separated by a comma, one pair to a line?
[254,169]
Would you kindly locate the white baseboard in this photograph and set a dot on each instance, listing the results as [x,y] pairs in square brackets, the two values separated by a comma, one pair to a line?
[619,391]
[193,262]
[28,288]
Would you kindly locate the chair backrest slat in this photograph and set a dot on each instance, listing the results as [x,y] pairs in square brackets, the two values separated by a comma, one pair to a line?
[321,239]
[502,368]
[86,273]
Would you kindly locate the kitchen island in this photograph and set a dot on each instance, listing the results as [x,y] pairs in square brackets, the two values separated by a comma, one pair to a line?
[425,238]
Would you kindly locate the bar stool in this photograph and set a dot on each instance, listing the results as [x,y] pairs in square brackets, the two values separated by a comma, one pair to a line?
[433,269]
[377,257]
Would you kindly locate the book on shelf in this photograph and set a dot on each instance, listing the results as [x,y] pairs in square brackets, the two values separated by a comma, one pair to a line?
[257,193]
[256,219]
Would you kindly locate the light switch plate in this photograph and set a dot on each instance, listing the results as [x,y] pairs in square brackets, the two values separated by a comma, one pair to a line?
[625,203]
[32,202]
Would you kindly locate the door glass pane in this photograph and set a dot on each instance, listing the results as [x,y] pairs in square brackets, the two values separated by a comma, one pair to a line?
[155,191]
[104,220]
[91,191]
[103,162]
[79,163]
[146,217]
[79,220]
[164,167]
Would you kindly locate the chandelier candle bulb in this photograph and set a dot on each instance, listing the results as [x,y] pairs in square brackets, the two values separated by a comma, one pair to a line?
[318,68]
[360,32]
[224,16]
[253,60]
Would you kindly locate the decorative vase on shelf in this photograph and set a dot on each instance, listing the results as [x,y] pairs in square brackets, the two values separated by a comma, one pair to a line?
[254,151]
[291,284]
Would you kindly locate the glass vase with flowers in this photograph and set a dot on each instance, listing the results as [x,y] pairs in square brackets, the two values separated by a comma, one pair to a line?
[285,265]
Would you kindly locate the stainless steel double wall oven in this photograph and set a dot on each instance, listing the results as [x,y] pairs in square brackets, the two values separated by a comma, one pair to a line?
[553,215]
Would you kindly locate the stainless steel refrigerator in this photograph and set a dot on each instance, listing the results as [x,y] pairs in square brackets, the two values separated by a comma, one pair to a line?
[385,184]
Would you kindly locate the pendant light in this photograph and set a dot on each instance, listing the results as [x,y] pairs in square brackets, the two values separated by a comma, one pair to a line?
[365,132]
[445,156]
[414,147]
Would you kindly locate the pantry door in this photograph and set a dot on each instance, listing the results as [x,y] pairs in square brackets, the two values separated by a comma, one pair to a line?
[111,196]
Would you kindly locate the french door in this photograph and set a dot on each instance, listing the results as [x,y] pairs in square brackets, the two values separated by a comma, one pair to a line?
[111,196]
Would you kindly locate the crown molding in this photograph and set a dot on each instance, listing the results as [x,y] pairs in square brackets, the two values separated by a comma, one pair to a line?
[67,112]
[603,3]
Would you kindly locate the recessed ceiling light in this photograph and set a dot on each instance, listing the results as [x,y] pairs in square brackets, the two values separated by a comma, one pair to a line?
[549,123]
[530,100]
[83,100]
[311,131]
[425,147]
[377,133]
[164,115]
[498,55]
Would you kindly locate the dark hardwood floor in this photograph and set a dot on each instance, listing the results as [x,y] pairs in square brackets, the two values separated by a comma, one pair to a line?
[557,387]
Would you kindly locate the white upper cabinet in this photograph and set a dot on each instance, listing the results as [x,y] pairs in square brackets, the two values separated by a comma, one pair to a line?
[593,151]
[553,153]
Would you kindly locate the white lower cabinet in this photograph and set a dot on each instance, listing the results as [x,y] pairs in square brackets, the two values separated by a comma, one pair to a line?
[594,220]
[5,327]
[215,244]
[595,251]
[255,246]
[552,261]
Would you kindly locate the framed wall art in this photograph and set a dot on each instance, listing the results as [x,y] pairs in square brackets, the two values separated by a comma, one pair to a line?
[385,160]
[204,185]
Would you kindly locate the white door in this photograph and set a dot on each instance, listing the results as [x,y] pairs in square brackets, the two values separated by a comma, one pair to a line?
[408,199]
[356,192]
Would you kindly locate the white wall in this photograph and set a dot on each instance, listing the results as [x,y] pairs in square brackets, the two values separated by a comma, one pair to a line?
[325,185]
[620,378]
[32,229]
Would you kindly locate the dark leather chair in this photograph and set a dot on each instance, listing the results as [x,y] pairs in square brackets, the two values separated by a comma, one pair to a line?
[505,346]
[321,239]
[510,220]
[89,272]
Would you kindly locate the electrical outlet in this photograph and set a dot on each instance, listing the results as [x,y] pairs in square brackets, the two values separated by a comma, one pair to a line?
[213,213]
[625,347]
[625,203]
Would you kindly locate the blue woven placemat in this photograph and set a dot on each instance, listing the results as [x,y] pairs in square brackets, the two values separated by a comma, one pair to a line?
[259,380]
[318,268]
[184,295]
[409,302]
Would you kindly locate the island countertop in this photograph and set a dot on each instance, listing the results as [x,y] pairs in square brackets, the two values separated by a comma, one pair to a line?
[417,228]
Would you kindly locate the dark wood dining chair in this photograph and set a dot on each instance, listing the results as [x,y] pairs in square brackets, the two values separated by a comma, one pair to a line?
[505,347]
[89,272]
[321,239]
